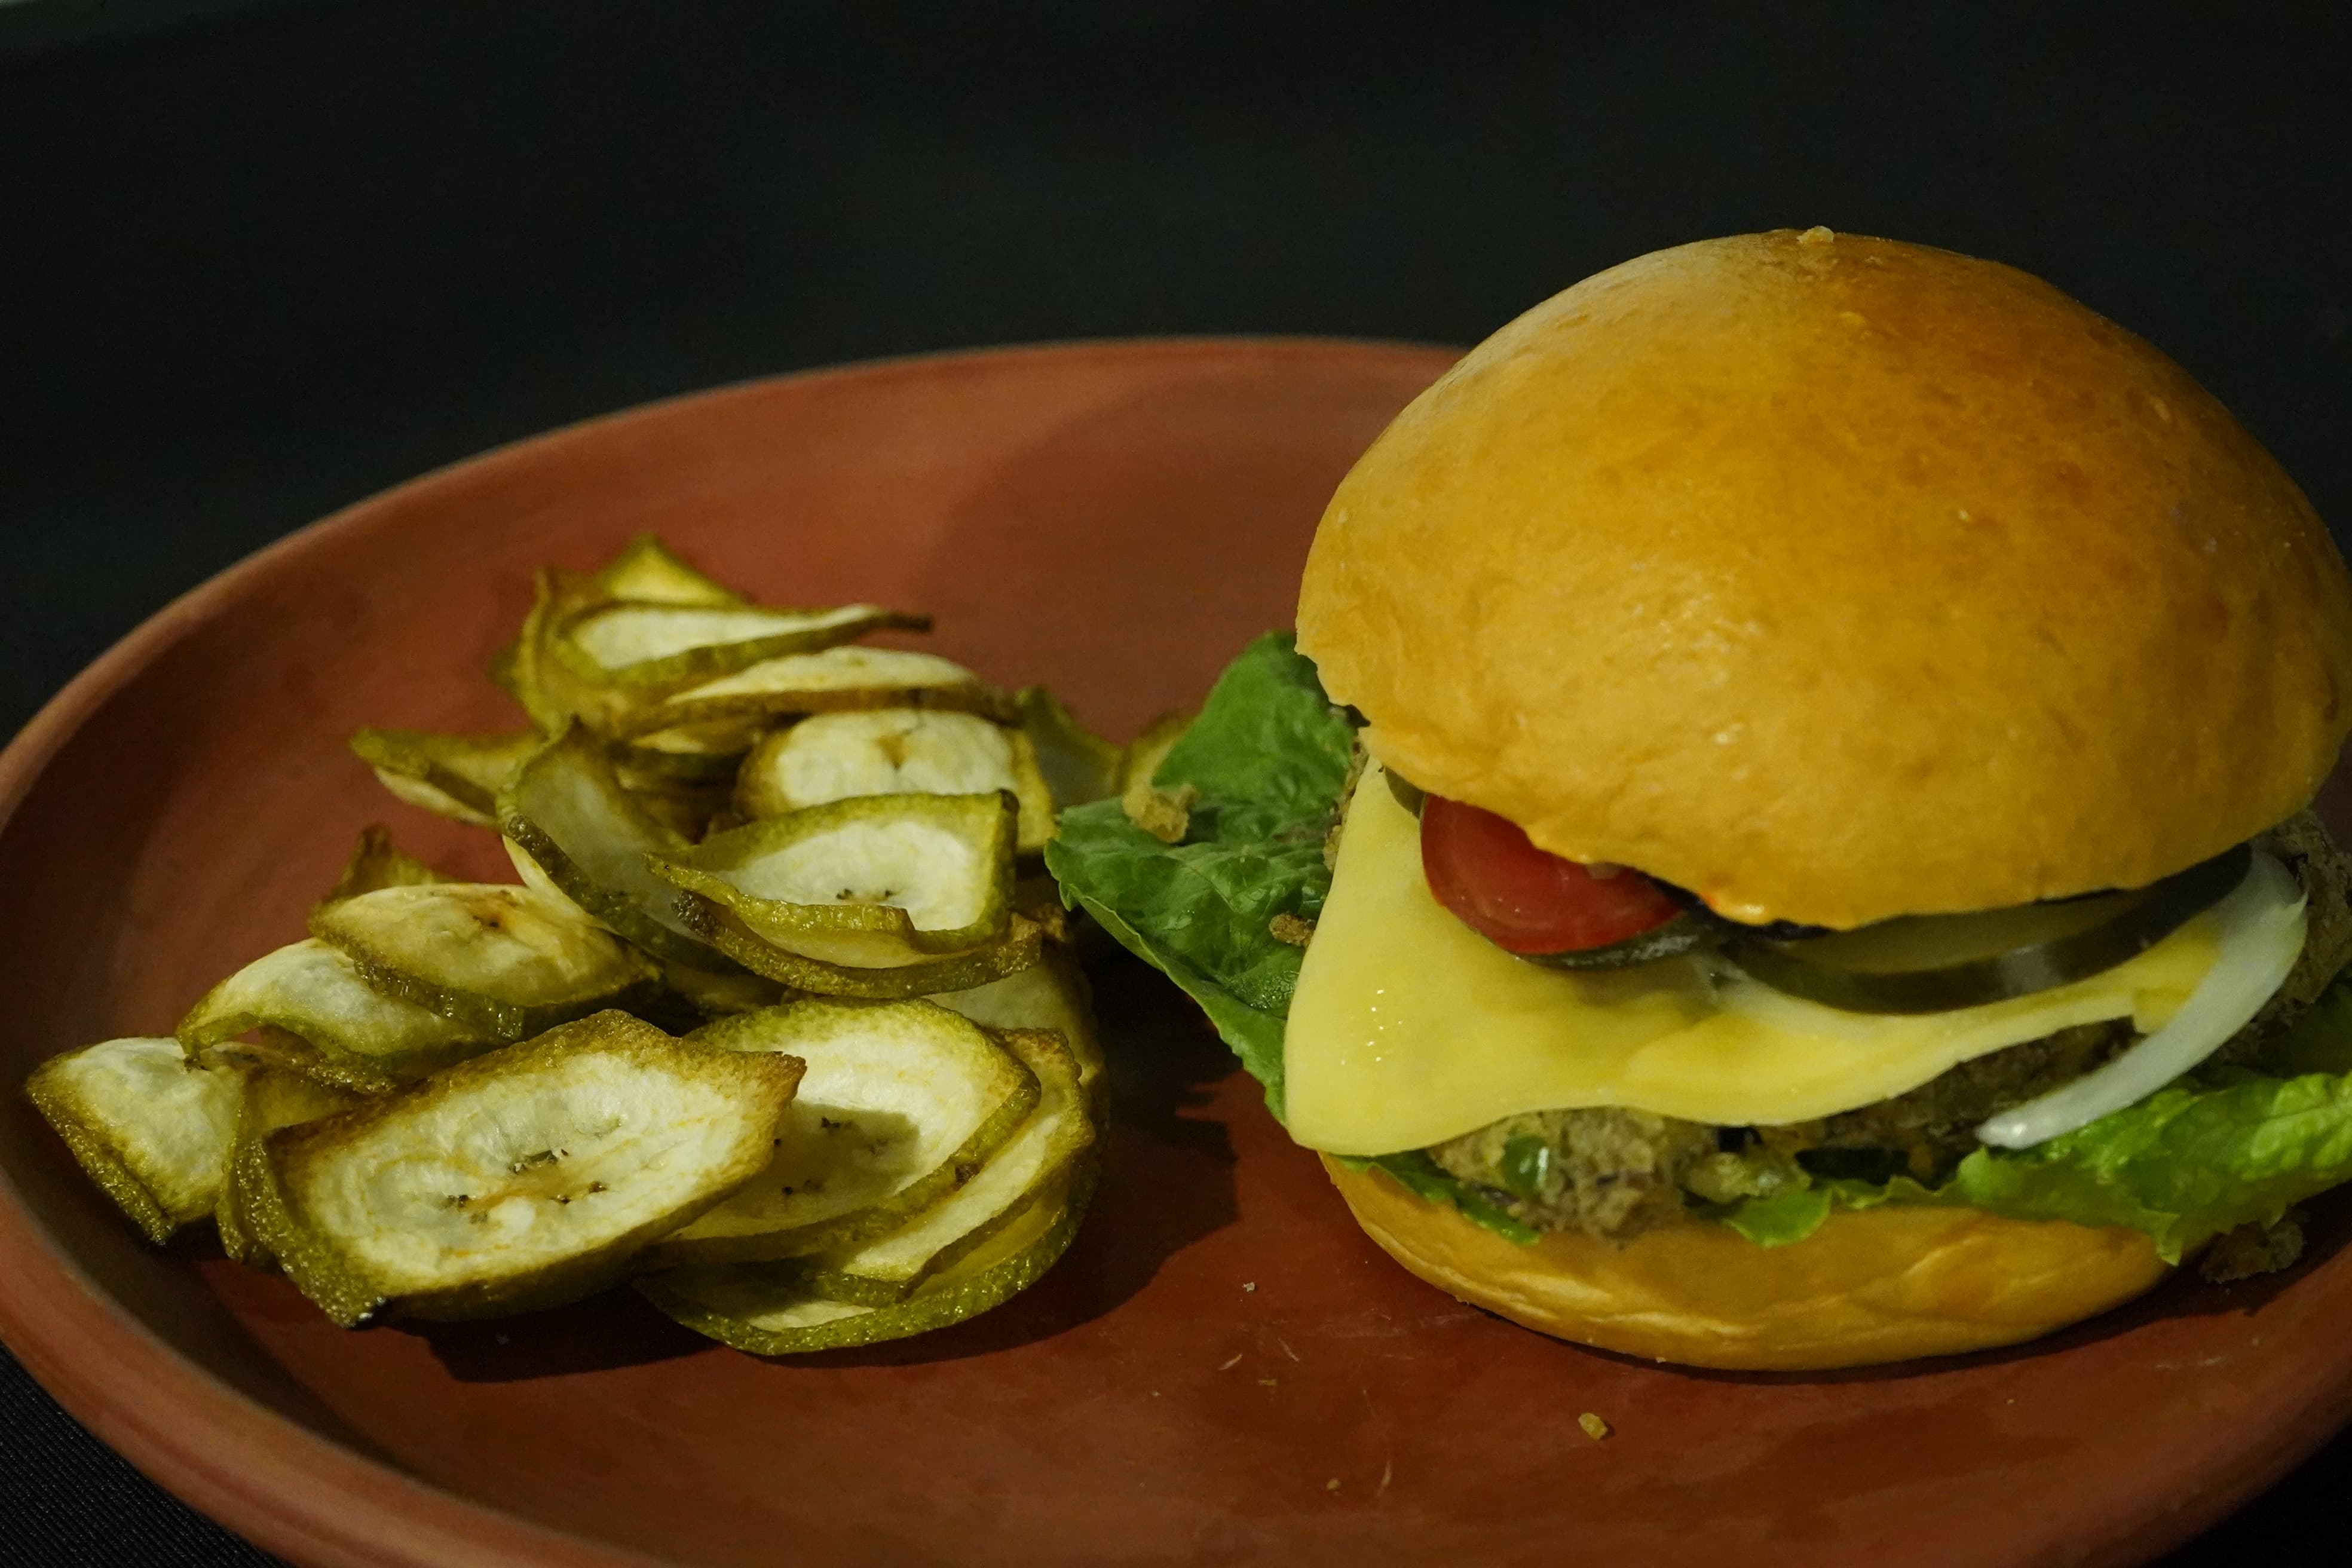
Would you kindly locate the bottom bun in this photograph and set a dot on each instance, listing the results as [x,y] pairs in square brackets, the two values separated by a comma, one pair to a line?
[1869,1285]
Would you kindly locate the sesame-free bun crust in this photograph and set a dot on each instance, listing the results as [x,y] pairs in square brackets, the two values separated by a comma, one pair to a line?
[1871,1286]
[1835,579]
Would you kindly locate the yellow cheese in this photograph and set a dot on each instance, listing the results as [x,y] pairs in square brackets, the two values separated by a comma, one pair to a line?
[1409,1028]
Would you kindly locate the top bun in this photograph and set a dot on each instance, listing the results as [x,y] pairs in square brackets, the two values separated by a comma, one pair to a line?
[1835,579]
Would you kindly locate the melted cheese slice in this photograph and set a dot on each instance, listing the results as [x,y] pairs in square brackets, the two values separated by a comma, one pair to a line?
[1409,1028]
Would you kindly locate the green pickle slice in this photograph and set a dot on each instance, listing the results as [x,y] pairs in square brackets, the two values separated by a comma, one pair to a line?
[150,1127]
[273,1099]
[903,1102]
[768,1311]
[569,814]
[356,1036]
[499,962]
[872,882]
[833,680]
[1933,963]
[887,1269]
[635,644]
[518,1180]
[895,751]
[647,571]
[454,776]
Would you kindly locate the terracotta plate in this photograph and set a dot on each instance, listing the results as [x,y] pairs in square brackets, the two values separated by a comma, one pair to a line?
[1222,1370]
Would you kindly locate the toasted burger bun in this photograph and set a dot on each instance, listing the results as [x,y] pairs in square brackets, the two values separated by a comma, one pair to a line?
[1869,1285]
[1835,579]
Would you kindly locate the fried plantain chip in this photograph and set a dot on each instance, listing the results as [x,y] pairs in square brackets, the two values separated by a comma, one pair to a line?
[713,995]
[1038,898]
[502,671]
[273,1098]
[528,872]
[1166,814]
[454,776]
[150,1127]
[1016,950]
[646,571]
[353,1033]
[903,1102]
[500,962]
[569,814]
[642,645]
[687,810]
[895,751]
[698,755]
[377,863]
[1141,757]
[545,684]
[875,881]
[835,680]
[1036,823]
[767,1309]
[1035,1158]
[1078,764]
[1051,994]
[518,1180]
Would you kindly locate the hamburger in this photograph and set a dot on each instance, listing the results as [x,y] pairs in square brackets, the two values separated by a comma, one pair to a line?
[1784,840]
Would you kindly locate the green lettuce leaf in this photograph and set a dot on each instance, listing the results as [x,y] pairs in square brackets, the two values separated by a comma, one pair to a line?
[2189,1161]
[2198,1158]
[1255,1034]
[1269,755]
[1269,752]
[1797,1212]
[1426,1179]
[1774,1221]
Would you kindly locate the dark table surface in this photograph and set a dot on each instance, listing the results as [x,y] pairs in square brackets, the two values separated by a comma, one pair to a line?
[259,259]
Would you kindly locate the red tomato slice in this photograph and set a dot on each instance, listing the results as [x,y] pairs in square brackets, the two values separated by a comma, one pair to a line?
[1484,869]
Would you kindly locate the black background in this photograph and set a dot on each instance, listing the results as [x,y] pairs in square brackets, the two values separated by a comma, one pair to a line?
[257,261]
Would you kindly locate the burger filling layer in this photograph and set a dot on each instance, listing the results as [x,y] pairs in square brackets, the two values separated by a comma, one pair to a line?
[1408,1029]
[2195,1091]
[1613,1170]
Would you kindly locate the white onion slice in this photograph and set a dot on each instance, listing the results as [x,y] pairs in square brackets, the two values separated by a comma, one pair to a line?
[2262,935]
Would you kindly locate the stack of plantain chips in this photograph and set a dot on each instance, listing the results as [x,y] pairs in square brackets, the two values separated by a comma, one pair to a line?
[779,1022]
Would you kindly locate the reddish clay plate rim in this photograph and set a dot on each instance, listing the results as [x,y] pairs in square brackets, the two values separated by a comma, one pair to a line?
[288,1489]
